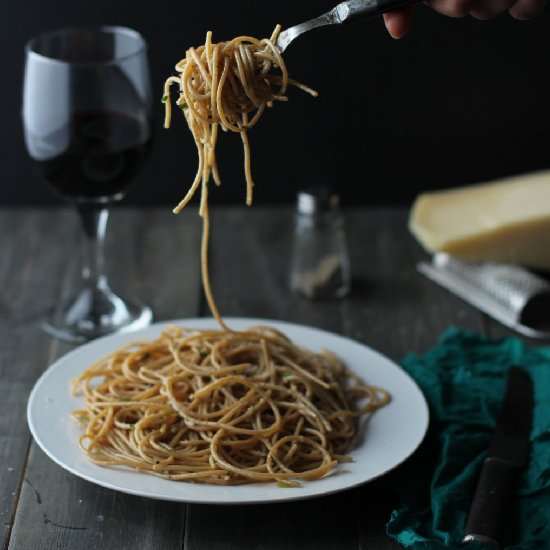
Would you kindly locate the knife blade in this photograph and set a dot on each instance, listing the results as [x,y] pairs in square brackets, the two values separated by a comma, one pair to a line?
[508,455]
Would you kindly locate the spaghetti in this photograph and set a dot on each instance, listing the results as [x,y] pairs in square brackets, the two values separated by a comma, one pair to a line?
[227,85]
[222,406]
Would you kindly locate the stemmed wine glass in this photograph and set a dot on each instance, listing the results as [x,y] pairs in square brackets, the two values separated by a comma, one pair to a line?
[87,111]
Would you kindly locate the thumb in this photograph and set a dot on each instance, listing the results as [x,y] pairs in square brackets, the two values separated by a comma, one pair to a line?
[397,22]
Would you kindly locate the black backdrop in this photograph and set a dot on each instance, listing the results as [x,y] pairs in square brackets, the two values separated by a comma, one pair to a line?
[455,102]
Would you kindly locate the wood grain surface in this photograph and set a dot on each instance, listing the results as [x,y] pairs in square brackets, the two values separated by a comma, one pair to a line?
[153,254]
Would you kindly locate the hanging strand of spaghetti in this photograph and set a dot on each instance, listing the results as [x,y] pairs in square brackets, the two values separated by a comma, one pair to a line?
[227,85]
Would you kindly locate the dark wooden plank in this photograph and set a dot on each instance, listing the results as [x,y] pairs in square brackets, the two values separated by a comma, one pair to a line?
[27,289]
[327,523]
[59,510]
[250,265]
[395,309]
[152,254]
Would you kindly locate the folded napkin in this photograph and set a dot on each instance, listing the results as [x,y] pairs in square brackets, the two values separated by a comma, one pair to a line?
[464,379]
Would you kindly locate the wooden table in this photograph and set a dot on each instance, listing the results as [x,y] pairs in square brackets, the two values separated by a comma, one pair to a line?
[154,254]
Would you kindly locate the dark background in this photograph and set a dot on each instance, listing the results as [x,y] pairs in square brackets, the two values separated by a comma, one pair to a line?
[456,101]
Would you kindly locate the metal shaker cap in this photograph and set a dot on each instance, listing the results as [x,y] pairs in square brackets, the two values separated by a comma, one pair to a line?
[318,199]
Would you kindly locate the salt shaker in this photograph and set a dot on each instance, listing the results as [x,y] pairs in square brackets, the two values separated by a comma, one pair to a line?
[320,265]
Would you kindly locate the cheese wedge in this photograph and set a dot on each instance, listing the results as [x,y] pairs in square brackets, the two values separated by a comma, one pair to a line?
[502,221]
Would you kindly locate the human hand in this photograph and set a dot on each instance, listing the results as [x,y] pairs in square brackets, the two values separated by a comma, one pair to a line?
[397,22]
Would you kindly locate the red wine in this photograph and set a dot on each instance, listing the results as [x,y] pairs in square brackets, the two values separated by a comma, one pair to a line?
[93,158]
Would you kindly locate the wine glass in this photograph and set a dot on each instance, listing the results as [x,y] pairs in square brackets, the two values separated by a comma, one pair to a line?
[87,111]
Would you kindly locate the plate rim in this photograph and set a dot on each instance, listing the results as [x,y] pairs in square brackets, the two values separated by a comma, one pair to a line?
[252,321]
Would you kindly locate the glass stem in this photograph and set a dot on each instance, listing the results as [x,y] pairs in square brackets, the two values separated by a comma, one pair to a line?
[94,224]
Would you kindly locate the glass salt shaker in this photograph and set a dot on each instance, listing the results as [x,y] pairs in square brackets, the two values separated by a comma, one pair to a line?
[320,266]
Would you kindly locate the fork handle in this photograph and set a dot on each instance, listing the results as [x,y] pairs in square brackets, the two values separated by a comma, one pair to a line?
[353,10]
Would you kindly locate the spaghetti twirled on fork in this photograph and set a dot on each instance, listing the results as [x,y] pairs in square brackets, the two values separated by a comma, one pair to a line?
[227,85]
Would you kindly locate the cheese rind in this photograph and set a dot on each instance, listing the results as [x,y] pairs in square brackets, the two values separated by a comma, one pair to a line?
[503,221]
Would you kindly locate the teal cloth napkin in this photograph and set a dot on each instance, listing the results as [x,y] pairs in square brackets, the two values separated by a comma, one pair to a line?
[463,379]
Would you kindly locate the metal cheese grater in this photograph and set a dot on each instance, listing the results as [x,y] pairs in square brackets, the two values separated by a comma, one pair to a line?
[510,294]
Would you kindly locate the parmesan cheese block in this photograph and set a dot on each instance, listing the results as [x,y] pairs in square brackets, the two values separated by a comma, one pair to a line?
[502,221]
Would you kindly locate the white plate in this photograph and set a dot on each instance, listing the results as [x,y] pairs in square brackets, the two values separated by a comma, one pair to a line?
[385,441]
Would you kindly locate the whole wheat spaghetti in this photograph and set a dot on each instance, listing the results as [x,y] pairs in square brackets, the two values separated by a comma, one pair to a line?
[227,85]
[223,406]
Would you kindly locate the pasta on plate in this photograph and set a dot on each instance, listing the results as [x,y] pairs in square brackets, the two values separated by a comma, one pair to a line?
[222,407]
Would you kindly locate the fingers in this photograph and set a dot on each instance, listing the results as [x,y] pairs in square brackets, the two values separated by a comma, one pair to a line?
[397,22]
[526,9]
[487,9]
[452,8]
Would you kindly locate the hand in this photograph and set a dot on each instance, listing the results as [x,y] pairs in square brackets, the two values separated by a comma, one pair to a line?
[397,22]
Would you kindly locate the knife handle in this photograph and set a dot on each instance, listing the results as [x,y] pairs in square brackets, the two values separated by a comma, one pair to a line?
[490,504]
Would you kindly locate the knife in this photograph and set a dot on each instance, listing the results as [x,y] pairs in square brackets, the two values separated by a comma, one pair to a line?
[508,454]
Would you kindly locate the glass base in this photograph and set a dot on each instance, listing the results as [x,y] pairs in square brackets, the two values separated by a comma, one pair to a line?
[96,312]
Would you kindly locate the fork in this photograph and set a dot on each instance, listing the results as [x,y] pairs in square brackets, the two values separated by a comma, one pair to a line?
[346,12]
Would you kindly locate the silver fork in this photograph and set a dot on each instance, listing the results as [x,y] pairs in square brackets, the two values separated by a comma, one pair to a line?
[346,12]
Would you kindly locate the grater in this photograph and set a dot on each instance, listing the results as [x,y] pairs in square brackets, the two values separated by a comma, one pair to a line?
[513,295]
